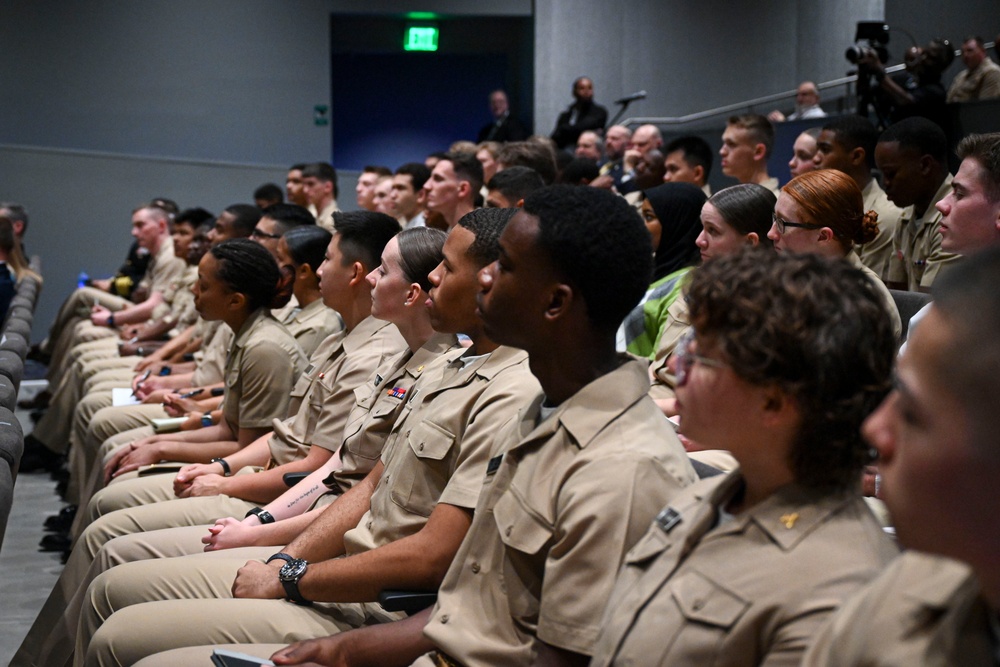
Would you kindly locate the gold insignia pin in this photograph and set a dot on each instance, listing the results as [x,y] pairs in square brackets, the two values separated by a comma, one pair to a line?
[790,519]
[420,368]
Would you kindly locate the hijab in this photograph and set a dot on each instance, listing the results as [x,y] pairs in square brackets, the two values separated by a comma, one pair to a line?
[678,207]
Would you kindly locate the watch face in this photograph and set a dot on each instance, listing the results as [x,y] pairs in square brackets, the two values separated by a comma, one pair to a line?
[293,570]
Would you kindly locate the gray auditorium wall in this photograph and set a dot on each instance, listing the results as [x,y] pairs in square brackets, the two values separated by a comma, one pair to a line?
[170,85]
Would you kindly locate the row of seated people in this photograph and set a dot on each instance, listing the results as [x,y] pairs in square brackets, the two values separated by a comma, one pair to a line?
[785,354]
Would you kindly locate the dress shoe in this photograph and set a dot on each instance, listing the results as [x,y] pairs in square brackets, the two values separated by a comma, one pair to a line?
[38,457]
[39,402]
[61,522]
[55,542]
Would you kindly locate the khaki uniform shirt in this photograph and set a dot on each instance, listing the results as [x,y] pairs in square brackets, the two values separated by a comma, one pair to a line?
[917,257]
[876,253]
[323,396]
[750,591]
[163,269]
[562,501]
[662,380]
[923,610]
[262,367]
[377,405]
[210,359]
[313,324]
[325,217]
[178,295]
[883,292]
[439,446]
[772,184]
[982,83]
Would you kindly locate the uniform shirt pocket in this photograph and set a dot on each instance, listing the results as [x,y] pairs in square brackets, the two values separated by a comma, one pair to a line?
[527,538]
[704,601]
[420,481]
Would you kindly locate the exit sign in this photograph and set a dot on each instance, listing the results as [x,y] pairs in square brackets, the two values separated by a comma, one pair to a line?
[421,38]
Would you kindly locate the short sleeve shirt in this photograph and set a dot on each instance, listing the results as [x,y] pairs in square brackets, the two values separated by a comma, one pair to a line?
[163,269]
[917,257]
[210,359]
[377,405]
[982,83]
[440,444]
[263,365]
[876,253]
[922,610]
[751,590]
[324,394]
[311,325]
[562,502]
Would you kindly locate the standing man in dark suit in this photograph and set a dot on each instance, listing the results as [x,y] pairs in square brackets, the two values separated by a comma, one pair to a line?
[582,115]
[504,126]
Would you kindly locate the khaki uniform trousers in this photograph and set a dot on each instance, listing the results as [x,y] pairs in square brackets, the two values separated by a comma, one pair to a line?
[130,632]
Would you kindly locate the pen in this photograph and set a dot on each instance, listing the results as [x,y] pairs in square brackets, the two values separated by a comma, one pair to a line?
[191,394]
[144,377]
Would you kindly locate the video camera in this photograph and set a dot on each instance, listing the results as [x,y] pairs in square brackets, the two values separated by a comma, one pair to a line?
[869,39]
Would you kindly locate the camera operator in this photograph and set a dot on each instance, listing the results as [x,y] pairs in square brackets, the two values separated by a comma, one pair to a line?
[917,91]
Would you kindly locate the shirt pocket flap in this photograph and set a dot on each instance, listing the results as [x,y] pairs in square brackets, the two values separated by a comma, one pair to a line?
[519,528]
[705,601]
[363,396]
[430,441]
[301,386]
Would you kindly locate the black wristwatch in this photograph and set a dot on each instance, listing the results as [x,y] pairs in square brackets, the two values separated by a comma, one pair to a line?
[289,575]
[226,470]
[262,515]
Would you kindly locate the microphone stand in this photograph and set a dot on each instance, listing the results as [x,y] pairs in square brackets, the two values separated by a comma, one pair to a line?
[620,113]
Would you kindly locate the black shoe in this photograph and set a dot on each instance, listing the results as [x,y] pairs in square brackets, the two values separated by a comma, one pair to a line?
[60,474]
[64,556]
[38,457]
[36,415]
[55,542]
[61,488]
[39,402]
[62,522]
[35,354]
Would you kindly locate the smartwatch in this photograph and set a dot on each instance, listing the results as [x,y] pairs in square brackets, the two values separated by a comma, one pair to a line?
[290,574]
[262,515]
[226,470]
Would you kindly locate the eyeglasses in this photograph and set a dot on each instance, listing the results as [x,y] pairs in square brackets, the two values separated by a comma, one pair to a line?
[781,224]
[686,358]
[259,234]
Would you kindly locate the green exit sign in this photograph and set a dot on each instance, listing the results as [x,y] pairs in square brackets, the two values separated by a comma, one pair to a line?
[421,38]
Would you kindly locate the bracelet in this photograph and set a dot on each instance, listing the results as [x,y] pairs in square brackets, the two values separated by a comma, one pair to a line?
[111,320]
[262,515]
[226,470]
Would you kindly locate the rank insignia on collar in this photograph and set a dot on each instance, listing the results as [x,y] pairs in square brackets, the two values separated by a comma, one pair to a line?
[378,379]
[788,520]
[668,519]
[397,392]
[494,464]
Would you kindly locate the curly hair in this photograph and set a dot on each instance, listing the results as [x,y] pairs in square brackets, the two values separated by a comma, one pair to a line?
[814,327]
[831,198]
[249,269]
[598,242]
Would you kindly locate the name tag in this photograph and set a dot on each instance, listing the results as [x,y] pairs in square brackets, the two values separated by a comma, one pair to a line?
[494,464]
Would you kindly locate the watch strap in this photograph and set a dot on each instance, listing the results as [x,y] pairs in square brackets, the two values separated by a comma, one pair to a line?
[226,470]
[262,515]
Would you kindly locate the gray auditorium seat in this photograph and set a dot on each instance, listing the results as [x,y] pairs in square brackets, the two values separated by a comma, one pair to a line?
[908,303]
[8,395]
[12,366]
[11,447]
